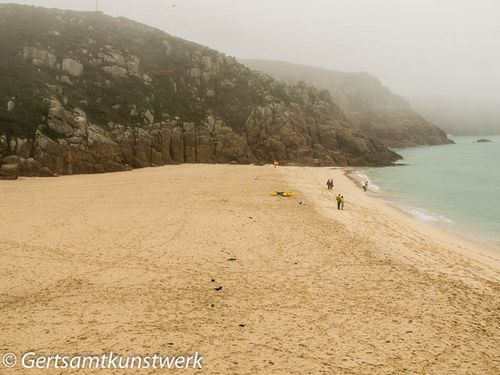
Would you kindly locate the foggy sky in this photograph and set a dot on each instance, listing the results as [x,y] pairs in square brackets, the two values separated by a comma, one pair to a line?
[418,48]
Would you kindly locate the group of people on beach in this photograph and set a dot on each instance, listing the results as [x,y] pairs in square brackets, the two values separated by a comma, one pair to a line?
[339,198]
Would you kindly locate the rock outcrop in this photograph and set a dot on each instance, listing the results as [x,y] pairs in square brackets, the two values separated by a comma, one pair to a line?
[75,100]
[72,67]
[380,113]
[9,172]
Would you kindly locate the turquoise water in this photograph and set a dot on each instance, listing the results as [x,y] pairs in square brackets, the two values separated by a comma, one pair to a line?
[457,186]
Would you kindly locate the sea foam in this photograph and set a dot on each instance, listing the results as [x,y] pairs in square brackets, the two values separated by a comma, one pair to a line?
[423,215]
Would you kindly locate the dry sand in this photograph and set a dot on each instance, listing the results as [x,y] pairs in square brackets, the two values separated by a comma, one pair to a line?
[124,262]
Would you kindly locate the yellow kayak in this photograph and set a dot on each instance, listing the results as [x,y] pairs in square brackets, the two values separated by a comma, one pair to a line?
[282,193]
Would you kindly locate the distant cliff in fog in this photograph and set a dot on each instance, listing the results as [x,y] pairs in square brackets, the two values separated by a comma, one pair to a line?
[381,114]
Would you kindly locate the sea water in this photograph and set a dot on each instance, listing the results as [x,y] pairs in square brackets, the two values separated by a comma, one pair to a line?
[456,186]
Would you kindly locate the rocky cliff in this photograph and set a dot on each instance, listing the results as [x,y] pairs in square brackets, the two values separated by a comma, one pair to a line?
[82,92]
[381,114]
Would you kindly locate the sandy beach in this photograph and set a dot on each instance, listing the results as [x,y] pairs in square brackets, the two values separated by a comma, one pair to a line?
[189,258]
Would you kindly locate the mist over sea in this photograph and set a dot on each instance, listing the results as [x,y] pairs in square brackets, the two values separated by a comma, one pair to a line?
[456,186]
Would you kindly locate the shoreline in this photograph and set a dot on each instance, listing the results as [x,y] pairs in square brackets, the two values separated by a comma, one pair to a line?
[469,245]
[479,251]
[474,238]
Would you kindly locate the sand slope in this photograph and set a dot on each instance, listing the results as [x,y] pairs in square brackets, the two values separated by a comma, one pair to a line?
[124,262]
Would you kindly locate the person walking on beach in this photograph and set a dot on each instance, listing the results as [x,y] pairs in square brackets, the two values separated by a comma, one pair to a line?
[339,201]
[342,202]
[329,184]
[365,185]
